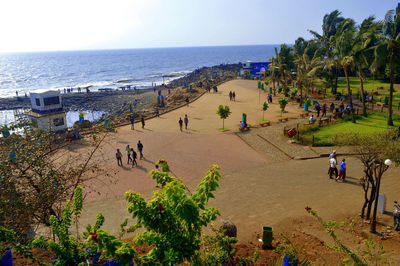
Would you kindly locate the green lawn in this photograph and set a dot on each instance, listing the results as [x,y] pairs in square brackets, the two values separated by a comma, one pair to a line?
[369,84]
[374,123]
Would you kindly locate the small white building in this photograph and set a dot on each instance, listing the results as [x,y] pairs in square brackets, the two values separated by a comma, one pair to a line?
[47,111]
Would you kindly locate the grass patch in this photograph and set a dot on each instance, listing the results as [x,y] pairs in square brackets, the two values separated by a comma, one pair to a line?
[325,136]
[369,85]
[223,129]
[262,121]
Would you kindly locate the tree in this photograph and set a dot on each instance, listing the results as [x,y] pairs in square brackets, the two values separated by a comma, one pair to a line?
[387,51]
[223,113]
[39,177]
[264,108]
[362,55]
[330,27]
[306,71]
[344,42]
[282,103]
[372,151]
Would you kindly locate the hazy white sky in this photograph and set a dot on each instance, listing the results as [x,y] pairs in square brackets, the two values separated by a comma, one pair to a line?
[43,25]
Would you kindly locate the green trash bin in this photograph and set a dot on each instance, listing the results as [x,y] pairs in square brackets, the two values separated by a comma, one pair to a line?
[386,100]
[267,237]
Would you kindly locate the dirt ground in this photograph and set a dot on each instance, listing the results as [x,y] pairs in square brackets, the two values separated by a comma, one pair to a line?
[254,191]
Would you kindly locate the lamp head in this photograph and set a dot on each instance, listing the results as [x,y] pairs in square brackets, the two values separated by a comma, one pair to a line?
[388,162]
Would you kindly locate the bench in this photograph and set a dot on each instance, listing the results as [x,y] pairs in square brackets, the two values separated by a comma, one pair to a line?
[264,124]
[323,120]
[381,105]
[338,115]
[283,119]
[303,114]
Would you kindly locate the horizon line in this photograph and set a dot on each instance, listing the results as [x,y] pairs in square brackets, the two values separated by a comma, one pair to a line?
[138,48]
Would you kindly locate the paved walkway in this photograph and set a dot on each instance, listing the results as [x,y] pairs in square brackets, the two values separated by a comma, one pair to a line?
[261,185]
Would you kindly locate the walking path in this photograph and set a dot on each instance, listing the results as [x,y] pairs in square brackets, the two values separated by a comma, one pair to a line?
[260,185]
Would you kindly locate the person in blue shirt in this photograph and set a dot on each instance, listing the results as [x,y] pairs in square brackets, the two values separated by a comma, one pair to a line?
[342,170]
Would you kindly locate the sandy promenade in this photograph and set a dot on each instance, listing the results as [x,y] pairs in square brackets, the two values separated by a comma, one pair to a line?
[254,191]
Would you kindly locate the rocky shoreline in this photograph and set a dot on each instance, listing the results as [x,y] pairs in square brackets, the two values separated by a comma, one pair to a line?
[116,103]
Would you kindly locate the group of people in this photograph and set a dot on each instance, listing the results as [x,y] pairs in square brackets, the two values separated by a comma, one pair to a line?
[185,120]
[333,168]
[318,108]
[132,119]
[131,154]
[232,96]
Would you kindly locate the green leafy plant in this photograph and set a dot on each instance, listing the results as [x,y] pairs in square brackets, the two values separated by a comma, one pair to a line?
[265,108]
[282,103]
[223,113]
[372,251]
[69,250]
[293,93]
[292,252]
[307,101]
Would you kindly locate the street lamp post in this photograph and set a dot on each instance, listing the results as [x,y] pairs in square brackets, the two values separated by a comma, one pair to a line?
[382,168]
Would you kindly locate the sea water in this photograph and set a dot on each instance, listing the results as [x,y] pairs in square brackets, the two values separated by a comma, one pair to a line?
[27,72]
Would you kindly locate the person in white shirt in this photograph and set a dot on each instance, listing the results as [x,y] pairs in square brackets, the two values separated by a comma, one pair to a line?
[332,167]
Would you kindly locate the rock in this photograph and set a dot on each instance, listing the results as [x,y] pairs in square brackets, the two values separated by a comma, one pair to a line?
[229,228]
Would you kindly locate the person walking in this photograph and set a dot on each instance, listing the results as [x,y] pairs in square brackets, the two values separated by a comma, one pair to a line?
[128,153]
[157,112]
[324,110]
[318,108]
[332,107]
[332,155]
[187,101]
[332,167]
[186,120]
[134,156]
[234,96]
[342,170]
[230,96]
[180,123]
[118,155]
[132,119]
[140,149]
[142,120]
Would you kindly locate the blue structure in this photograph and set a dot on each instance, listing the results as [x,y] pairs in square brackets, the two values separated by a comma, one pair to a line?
[255,69]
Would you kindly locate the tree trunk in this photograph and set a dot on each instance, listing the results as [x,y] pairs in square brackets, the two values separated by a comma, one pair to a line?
[223,126]
[336,79]
[362,90]
[353,118]
[263,114]
[371,200]
[301,95]
[273,85]
[390,110]
[378,181]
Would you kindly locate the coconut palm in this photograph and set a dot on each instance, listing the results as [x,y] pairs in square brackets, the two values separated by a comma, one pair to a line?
[306,71]
[343,52]
[330,26]
[362,55]
[387,52]
[282,64]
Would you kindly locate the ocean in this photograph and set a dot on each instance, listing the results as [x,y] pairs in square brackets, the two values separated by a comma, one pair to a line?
[39,71]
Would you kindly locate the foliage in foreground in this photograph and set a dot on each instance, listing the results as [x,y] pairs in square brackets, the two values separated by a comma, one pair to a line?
[371,255]
[172,223]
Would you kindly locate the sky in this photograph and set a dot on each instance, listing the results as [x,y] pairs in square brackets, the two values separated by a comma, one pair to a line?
[52,25]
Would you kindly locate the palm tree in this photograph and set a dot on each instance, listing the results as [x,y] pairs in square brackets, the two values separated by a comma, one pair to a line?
[388,51]
[343,47]
[330,26]
[282,64]
[306,71]
[365,39]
